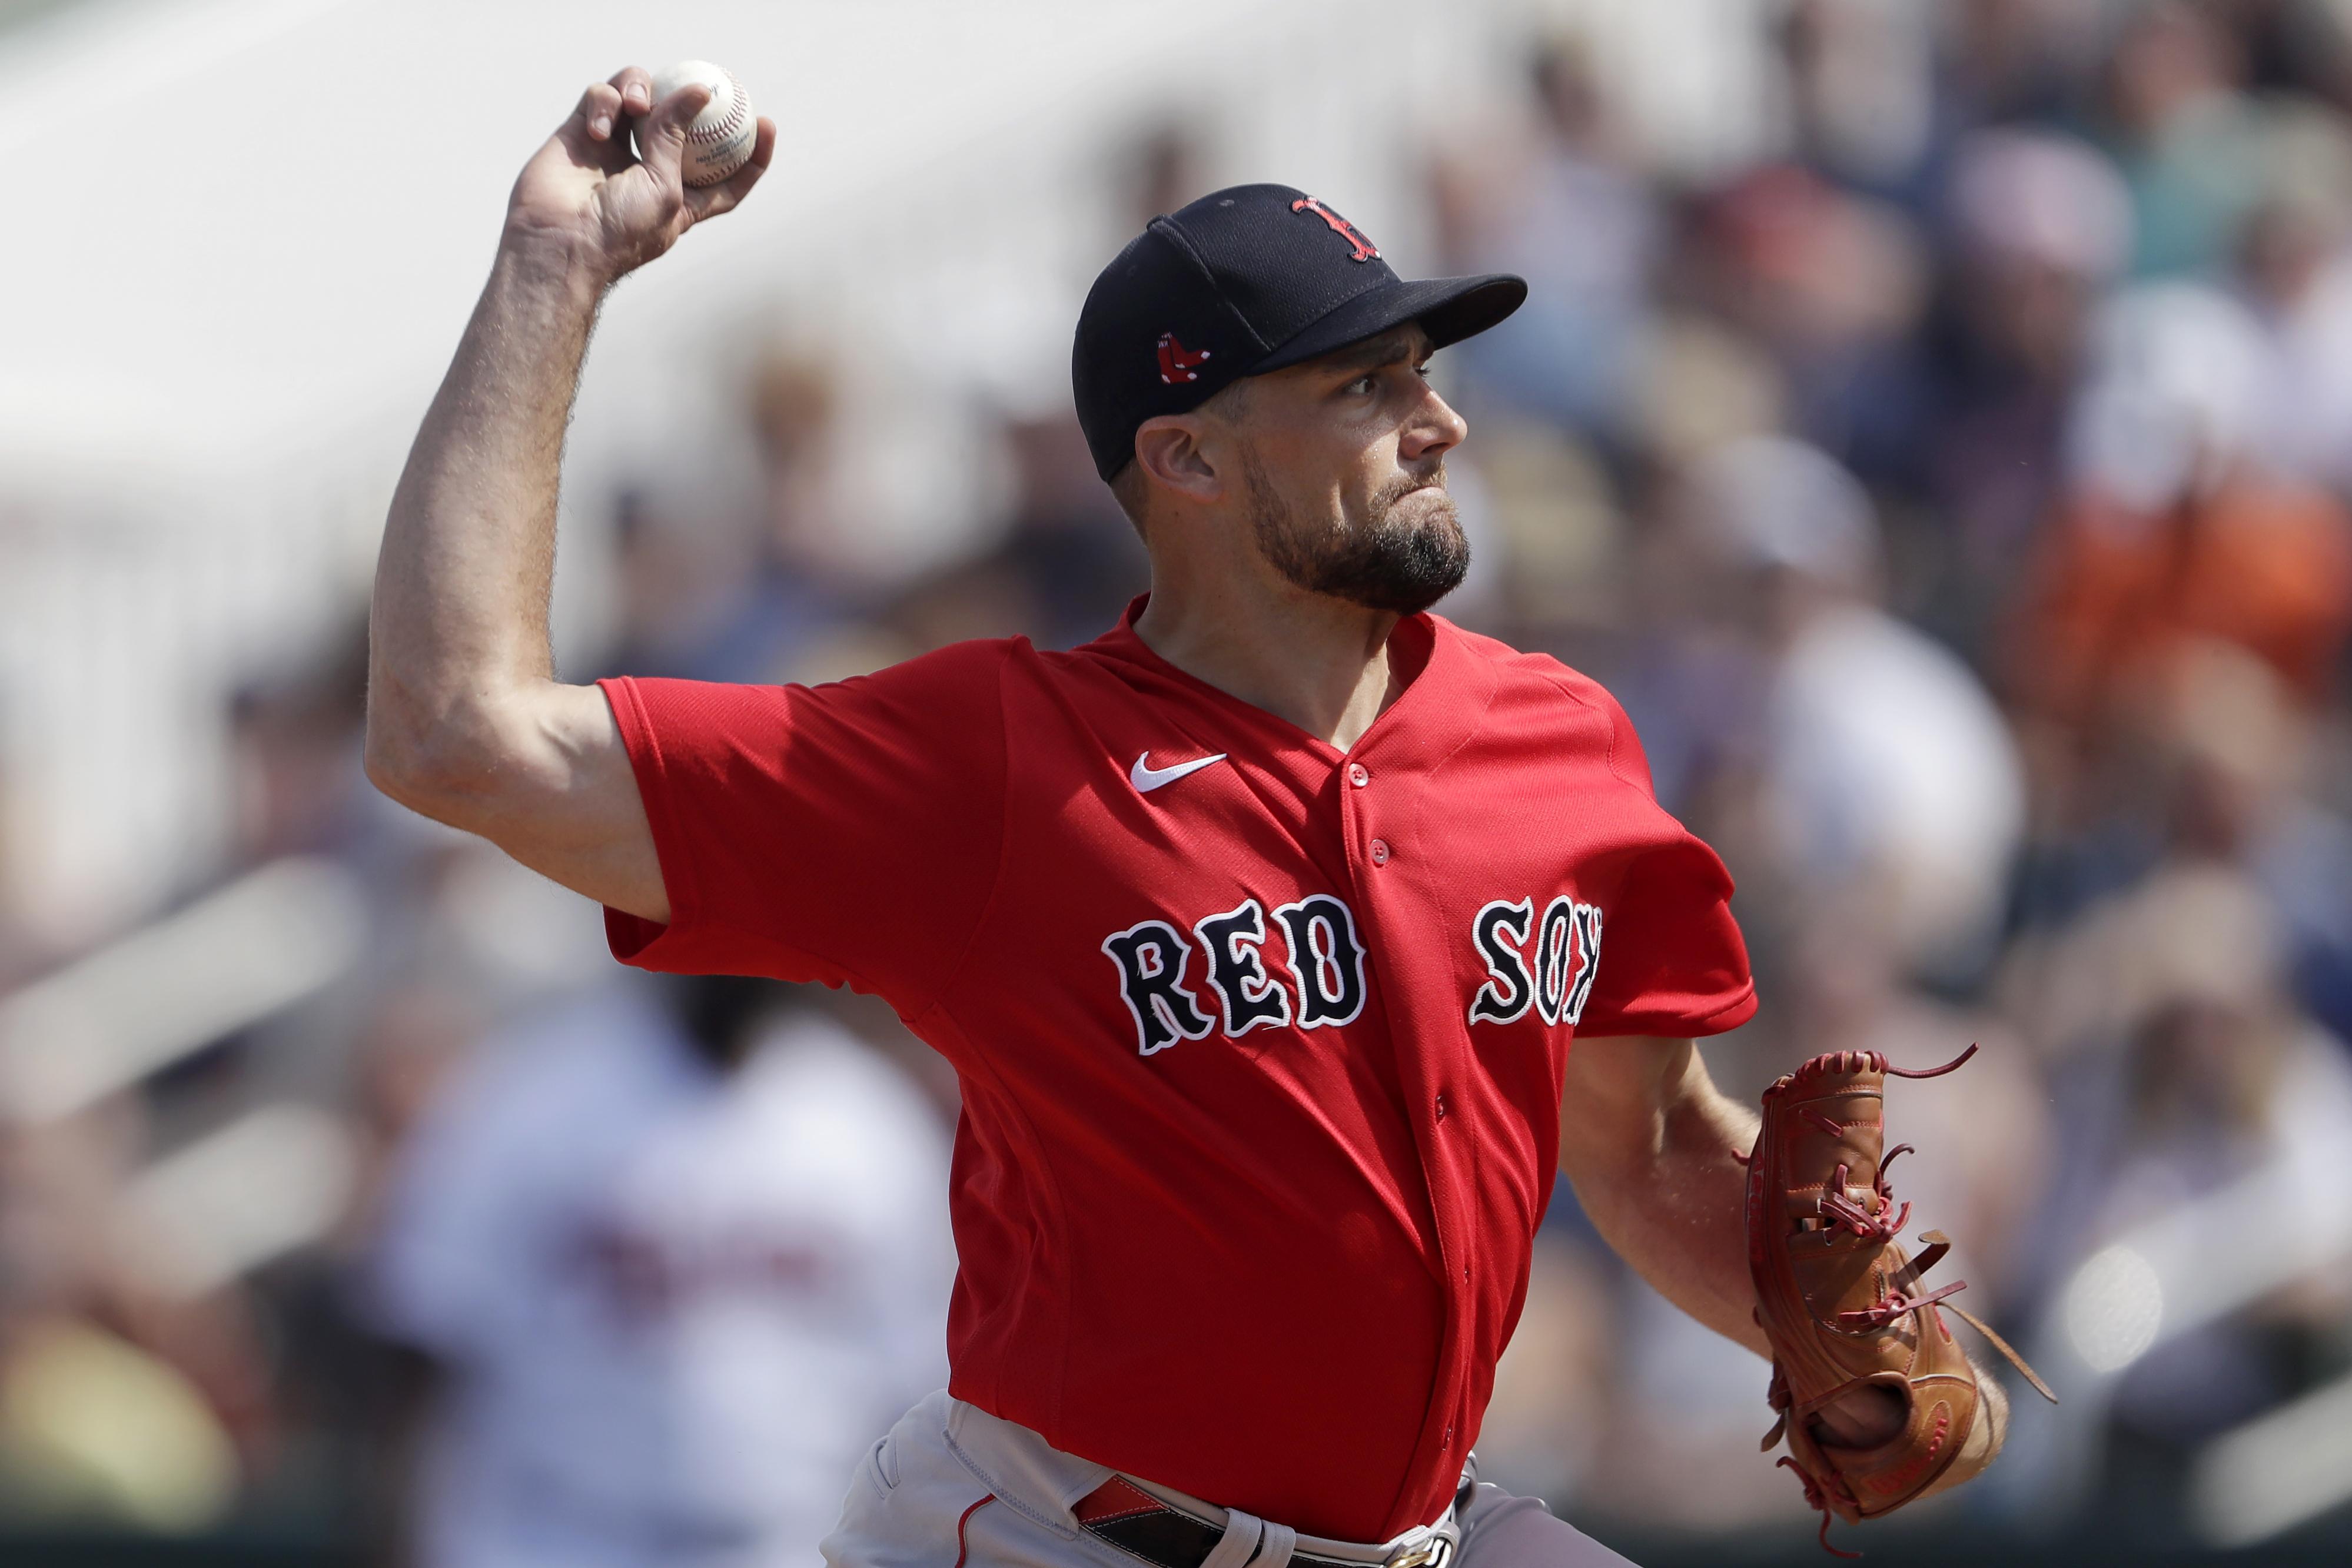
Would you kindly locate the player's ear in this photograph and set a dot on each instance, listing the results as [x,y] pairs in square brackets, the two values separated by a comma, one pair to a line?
[1168,449]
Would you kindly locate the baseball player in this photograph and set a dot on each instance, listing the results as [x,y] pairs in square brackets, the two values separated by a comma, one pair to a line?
[668,1279]
[1258,929]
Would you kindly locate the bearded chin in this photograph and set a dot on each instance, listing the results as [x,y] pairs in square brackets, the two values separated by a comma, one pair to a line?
[1391,563]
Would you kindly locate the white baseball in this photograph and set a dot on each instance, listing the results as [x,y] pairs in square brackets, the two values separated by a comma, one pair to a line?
[720,140]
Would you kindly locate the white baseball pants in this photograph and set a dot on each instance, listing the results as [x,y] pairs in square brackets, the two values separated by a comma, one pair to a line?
[954,1486]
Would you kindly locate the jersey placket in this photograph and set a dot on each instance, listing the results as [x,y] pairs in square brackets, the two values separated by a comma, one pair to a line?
[1386,791]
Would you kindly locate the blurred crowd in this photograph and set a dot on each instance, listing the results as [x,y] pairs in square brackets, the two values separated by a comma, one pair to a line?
[1959,498]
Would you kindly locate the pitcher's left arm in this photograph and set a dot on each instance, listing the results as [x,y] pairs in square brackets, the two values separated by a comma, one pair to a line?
[1657,1156]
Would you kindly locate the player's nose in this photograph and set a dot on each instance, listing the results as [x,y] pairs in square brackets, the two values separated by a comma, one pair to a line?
[1434,429]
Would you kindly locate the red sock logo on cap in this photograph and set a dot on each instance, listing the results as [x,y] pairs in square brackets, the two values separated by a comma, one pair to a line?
[1176,360]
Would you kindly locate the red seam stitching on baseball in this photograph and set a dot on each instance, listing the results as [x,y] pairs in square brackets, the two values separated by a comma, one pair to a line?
[727,127]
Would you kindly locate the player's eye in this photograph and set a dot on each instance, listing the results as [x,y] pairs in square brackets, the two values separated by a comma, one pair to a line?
[1366,384]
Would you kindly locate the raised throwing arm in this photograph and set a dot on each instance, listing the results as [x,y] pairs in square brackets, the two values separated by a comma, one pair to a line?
[466,722]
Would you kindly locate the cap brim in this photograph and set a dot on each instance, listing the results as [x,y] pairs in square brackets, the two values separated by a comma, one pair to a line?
[1449,310]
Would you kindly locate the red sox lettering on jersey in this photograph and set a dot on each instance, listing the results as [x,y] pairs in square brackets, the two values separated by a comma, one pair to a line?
[1547,965]
[1261,1042]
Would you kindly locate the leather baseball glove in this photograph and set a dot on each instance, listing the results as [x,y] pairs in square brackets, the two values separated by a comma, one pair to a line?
[1841,1302]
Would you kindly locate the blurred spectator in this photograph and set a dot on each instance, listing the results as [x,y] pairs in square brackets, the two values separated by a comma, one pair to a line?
[2186,1068]
[2224,753]
[1862,79]
[2016,60]
[672,1280]
[698,599]
[796,412]
[2040,224]
[706,596]
[2242,750]
[1701,383]
[1068,540]
[124,1401]
[294,752]
[2175,527]
[1833,284]
[1884,764]
[2301,45]
[1545,528]
[2187,139]
[2298,282]
[1562,203]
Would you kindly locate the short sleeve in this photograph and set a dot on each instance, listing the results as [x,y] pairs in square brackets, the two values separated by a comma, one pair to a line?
[846,834]
[1672,962]
[1672,959]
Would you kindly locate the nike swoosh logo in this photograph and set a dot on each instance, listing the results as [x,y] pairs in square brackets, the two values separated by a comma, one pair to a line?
[1147,778]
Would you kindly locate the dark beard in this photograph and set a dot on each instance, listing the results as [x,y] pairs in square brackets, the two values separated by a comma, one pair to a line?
[1388,564]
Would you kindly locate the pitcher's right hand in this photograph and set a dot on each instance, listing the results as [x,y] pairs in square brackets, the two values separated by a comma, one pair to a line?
[609,212]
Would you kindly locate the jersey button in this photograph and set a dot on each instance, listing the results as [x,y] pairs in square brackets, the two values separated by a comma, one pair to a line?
[1359,774]
[1441,1108]
[1379,851]
[1447,1440]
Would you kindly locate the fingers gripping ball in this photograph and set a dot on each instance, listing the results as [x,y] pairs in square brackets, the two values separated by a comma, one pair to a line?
[1842,1303]
[720,140]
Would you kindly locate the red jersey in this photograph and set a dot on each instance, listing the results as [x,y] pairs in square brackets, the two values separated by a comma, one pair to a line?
[1261,1041]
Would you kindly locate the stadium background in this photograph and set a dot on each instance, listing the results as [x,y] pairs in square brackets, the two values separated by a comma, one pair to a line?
[1933,418]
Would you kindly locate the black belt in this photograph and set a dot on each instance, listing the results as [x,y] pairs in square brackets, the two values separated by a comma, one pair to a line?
[1141,1525]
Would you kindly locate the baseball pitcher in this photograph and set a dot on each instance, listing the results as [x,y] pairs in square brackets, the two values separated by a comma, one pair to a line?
[1288,939]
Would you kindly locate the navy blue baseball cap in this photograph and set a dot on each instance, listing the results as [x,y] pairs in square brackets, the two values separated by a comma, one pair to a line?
[1245,281]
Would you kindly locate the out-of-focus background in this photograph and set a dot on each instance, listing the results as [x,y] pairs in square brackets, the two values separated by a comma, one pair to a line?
[1933,418]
